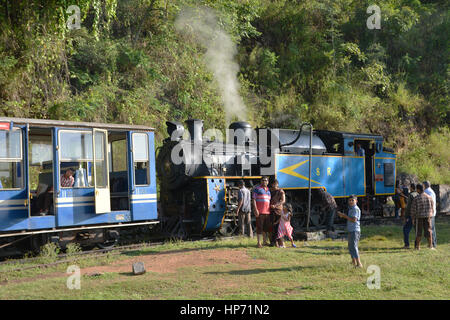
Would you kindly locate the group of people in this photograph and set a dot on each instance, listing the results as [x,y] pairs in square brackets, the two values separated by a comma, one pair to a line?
[418,208]
[273,214]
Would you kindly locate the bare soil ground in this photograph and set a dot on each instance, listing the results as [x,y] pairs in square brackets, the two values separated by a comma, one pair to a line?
[164,262]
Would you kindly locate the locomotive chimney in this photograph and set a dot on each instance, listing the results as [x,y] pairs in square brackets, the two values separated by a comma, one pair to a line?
[175,130]
[242,133]
[195,128]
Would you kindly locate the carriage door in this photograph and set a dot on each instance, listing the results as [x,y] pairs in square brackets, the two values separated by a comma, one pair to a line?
[14,192]
[142,176]
[101,171]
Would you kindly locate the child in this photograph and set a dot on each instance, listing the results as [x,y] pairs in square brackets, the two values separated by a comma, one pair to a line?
[285,228]
[353,228]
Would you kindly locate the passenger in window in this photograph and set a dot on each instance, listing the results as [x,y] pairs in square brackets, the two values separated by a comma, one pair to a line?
[67,179]
[359,151]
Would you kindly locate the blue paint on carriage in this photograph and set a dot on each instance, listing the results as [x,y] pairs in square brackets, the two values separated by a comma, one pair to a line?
[217,205]
[341,176]
[143,202]
[76,206]
[382,186]
[354,176]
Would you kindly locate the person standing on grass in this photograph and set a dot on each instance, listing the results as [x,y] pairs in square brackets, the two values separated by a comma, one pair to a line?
[407,219]
[354,230]
[277,199]
[330,207]
[244,209]
[284,226]
[421,213]
[430,192]
[261,206]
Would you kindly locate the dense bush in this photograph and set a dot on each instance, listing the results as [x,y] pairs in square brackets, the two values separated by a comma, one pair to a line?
[312,61]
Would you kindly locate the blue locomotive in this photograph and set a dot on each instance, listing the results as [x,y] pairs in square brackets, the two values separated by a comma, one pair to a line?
[199,174]
[74,181]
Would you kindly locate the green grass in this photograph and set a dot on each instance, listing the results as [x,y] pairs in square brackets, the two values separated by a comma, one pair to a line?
[317,270]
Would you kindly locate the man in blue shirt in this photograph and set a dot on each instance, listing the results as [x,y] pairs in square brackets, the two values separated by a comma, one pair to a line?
[354,229]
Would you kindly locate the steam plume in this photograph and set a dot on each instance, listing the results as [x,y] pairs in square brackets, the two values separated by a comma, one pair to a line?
[203,25]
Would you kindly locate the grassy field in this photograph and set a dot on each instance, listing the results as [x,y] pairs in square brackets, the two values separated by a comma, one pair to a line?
[236,269]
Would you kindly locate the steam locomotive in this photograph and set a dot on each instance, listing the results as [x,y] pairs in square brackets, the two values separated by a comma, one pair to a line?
[198,173]
[114,183]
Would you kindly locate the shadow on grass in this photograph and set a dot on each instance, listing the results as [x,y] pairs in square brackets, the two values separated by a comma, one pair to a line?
[261,270]
[214,246]
[344,250]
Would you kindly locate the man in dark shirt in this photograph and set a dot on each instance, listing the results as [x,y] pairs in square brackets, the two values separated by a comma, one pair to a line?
[407,220]
[330,207]
[421,213]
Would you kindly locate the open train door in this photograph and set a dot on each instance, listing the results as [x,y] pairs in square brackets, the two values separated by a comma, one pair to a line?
[101,171]
[14,187]
[142,175]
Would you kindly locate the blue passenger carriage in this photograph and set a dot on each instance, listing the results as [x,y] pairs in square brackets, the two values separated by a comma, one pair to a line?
[74,181]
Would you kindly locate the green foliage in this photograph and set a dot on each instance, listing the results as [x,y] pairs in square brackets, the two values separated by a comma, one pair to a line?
[427,158]
[49,252]
[299,61]
[73,249]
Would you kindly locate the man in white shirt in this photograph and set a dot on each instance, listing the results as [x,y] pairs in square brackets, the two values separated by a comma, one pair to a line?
[430,192]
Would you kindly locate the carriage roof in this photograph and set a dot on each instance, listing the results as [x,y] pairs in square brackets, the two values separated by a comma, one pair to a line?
[75,124]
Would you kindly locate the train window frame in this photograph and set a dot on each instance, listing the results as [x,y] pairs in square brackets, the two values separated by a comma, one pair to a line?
[16,160]
[141,160]
[81,160]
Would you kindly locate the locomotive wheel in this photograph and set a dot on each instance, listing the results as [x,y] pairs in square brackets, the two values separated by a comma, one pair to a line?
[298,216]
[317,215]
[228,229]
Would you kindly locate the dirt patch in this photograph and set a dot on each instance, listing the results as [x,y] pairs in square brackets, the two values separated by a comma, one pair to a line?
[164,262]
[169,262]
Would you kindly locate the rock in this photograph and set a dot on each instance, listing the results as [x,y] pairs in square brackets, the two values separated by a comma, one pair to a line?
[138,268]
[442,197]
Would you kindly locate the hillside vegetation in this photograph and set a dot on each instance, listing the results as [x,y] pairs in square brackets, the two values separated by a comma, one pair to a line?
[314,61]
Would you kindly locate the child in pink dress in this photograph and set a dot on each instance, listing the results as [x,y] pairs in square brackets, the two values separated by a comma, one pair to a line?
[285,228]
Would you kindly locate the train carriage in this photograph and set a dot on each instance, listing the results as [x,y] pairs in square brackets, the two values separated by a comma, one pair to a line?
[111,180]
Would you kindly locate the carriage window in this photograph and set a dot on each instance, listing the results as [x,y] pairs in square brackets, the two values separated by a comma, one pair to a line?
[100,160]
[11,168]
[119,155]
[76,159]
[141,159]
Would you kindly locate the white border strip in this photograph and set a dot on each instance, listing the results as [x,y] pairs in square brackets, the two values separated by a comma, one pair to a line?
[12,202]
[69,205]
[143,201]
[14,208]
[74,199]
[144,196]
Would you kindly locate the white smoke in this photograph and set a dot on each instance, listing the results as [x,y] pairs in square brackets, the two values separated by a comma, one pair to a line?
[202,24]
